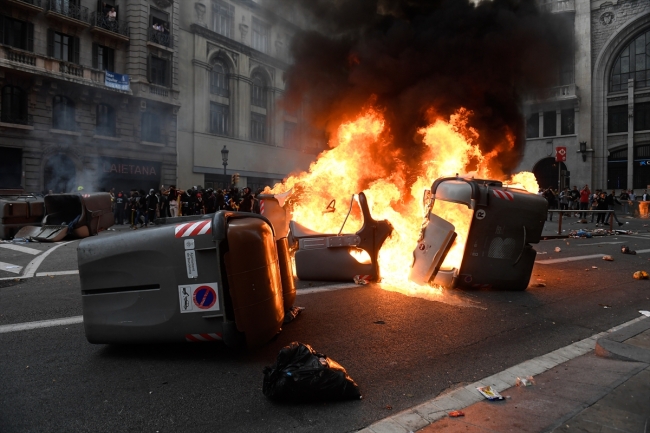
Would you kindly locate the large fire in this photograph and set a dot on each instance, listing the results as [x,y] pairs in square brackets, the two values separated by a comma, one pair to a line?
[353,164]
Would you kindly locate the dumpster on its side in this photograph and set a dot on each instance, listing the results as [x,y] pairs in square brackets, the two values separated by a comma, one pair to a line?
[498,252]
[19,210]
[203,280]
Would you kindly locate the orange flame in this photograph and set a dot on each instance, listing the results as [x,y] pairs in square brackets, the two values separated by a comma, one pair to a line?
[352,164]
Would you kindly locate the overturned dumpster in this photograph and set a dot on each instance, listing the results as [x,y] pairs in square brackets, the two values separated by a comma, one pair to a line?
[19,210]
[497,251]
[205,280]
[72,215]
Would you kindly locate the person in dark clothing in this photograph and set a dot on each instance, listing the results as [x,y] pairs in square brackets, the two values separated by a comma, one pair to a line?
[210,202]
[246,204]
[601,201]
[152,206]
[120,206]
[611,201]
[134,206]
[550,198]
[186,199]
[220,200]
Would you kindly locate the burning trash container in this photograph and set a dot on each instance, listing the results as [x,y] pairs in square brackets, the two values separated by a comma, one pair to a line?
[18,210]
[496,225]
[204,280]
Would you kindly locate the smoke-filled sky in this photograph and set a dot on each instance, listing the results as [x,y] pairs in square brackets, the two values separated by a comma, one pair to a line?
[410,57]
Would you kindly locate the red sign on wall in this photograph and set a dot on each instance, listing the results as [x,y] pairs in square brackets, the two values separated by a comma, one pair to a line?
[560,154]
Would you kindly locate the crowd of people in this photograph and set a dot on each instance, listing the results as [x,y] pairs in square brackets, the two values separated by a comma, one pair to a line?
[140,209]
[584,200]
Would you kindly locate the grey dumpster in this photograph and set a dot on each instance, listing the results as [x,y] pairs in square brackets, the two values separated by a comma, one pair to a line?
[203,280]
[498,252]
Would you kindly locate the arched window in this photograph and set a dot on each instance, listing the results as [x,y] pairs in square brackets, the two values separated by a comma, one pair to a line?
[63,113]
[258,93]
[219,79]
[632,63]
[105,120]
[151,128]
[14,105]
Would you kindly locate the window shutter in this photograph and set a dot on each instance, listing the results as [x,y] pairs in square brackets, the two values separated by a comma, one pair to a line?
[95,62]
[110,61]
[30,37]
[50,42]
[77,48]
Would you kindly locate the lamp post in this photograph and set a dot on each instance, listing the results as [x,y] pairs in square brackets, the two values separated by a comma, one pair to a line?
[583,150]
[224,158]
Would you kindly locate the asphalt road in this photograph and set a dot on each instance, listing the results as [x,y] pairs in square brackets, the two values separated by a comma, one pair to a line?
[52,379]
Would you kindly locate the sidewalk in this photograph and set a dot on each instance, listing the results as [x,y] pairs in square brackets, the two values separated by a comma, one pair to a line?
[600,384]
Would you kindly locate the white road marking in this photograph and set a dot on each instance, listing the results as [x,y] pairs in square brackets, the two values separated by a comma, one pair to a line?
[600,243]
[41,324]
[576,258]
[26,250]
[47,274]
[31,268]
[14,269]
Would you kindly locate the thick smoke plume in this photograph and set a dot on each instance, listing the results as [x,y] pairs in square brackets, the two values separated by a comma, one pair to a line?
[415,60]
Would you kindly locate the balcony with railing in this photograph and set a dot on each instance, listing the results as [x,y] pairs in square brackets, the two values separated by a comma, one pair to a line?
[25,120]
[68,11]
[31,5]
[158,37]
[112,28]
[555,6]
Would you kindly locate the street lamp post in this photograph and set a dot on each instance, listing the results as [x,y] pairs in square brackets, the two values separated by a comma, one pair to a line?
[224,158]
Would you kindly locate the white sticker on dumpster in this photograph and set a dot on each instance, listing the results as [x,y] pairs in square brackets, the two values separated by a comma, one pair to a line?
[190,264]
[198,298]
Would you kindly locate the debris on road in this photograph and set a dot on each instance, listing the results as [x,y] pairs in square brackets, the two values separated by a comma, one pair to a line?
[361,279]
[605,306]
[526,381]
[456,413]
[379,322]
[626,250]
[291,313]
[490,393]
[608,258]
[558,249]
[594,267]
[538,285]
[301,374]
[641,275]
[645,312]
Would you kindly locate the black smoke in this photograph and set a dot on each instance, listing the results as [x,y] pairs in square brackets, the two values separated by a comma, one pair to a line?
[411,58]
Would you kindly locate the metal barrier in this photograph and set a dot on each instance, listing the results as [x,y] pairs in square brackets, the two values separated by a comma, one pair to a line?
[562,212]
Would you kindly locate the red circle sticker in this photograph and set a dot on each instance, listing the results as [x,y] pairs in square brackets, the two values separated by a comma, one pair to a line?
[204,297]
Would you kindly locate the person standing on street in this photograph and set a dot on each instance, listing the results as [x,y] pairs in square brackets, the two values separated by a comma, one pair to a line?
[120,206]
[612,201]
[584,201]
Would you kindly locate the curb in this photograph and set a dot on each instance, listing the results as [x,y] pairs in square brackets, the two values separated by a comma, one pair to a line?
[420,416]
[612,345]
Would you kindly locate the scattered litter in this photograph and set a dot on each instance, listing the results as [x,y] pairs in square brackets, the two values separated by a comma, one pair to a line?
[489,393]
[389,407]
[594,267]
[558,249]
[538,285]
[626,250]
[292,313]
[605,306]
[641,275]
[379,322]
[456,413]
[528,381]
[645,312]
[301,374]
[542,252]
[608,258]
[645,225]
[361,279]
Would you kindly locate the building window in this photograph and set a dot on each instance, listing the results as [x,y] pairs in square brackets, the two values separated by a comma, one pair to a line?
[62,46]
[219,118]
[642,116]
[159,28]
[291,135]
[219,79]
[223,16]
[105,120]
[617,169]
[258,93]
[532,126]
[103,58]
[158,71]
[617,119]
[632,63]
[63,113]
[16,33]
[258,127]
[550,122]
[261,36]
[151,128]
[567,122]
[14,105]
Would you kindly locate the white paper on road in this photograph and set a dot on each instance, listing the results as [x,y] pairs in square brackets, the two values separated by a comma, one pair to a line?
[645,312]
[8,267]
[26,250]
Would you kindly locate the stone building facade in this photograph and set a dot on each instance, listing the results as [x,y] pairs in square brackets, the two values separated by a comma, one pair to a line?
[600,110]
[89,94]
[232,58]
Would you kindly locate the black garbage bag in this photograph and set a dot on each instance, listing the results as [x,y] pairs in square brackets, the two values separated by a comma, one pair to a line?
[302,374]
